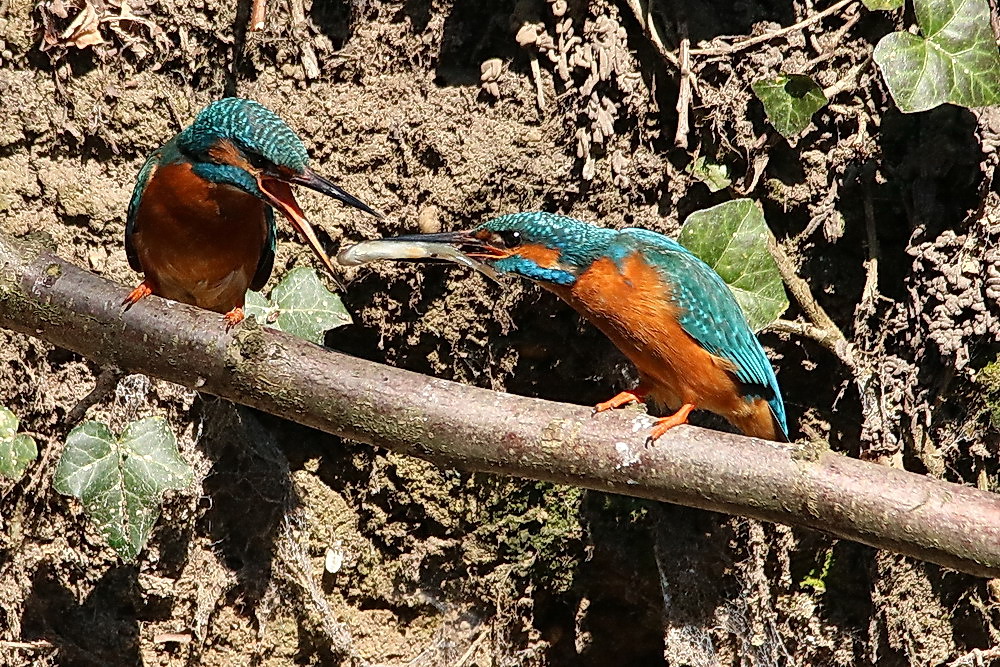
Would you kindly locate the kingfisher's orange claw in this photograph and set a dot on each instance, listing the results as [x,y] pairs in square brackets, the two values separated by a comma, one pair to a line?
[234,317]
[136,295]
[664,424]
[637,395]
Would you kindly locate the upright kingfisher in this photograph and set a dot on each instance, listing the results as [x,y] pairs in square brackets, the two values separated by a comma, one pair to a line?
[201,221]
[670,313]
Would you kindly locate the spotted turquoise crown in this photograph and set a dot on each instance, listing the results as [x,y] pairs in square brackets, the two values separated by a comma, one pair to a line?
[252,127]
[579,243]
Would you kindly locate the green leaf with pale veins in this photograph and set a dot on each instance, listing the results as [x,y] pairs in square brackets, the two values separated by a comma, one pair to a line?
[954,59]
[789,100]
[257,305]
[121,480]
[884,5]
[732,238]
[299,305]
[17,451]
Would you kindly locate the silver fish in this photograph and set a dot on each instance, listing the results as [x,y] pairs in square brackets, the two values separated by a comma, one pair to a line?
[372,251]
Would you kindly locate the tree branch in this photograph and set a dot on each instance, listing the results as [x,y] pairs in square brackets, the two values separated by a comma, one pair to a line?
[476,429]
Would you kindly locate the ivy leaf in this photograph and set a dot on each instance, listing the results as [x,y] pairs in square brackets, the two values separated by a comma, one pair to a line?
[256,304]
[17,451]
[954,59]
[121,480]
[818,576]
[884,5]
[789,100]
[732,238]
[715,176]
[300,305]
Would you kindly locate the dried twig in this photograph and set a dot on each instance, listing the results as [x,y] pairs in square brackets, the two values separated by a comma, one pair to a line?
[977,658]
[682,63]
[767,36]
[536,76]
[684,95]
[806,330]
[471,651]
[645,19]
[309,61]
[848,80]
[870,292]
[823,329]
[37,645]
[104,385]
[836,38]
[257,15]
[474,429]
[827,211]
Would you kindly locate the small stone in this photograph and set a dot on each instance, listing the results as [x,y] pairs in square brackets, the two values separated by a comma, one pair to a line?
[527,35]
[490,70]
[429,219]
[993,586]
[532,135]
[334,557]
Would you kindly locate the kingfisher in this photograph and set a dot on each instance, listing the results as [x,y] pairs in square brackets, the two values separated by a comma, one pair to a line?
[669,312]
[200,224]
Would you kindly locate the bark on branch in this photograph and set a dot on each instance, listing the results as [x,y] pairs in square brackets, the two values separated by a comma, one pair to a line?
[476,429]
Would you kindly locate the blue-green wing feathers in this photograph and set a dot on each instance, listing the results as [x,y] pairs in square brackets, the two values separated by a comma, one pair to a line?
[709,312]
[266,263]
[152,162]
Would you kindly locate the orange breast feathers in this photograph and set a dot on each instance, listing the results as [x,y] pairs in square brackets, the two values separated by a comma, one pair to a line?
[633,307]
[199,242]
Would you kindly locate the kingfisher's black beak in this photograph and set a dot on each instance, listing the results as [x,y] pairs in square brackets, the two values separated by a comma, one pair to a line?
[279,195]
[314,181]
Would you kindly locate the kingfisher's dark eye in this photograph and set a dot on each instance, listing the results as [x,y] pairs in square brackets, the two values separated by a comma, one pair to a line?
[259,161]
[510,238]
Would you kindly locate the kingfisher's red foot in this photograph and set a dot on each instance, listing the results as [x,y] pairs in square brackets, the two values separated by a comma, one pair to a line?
[234,317]
[136,295]
[637,395]
[664,424]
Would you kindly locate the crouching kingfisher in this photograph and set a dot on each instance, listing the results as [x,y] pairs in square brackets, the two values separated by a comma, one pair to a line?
[201,221]
[670,313]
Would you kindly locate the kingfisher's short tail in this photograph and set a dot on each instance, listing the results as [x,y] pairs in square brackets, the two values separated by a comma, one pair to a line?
[760,422]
